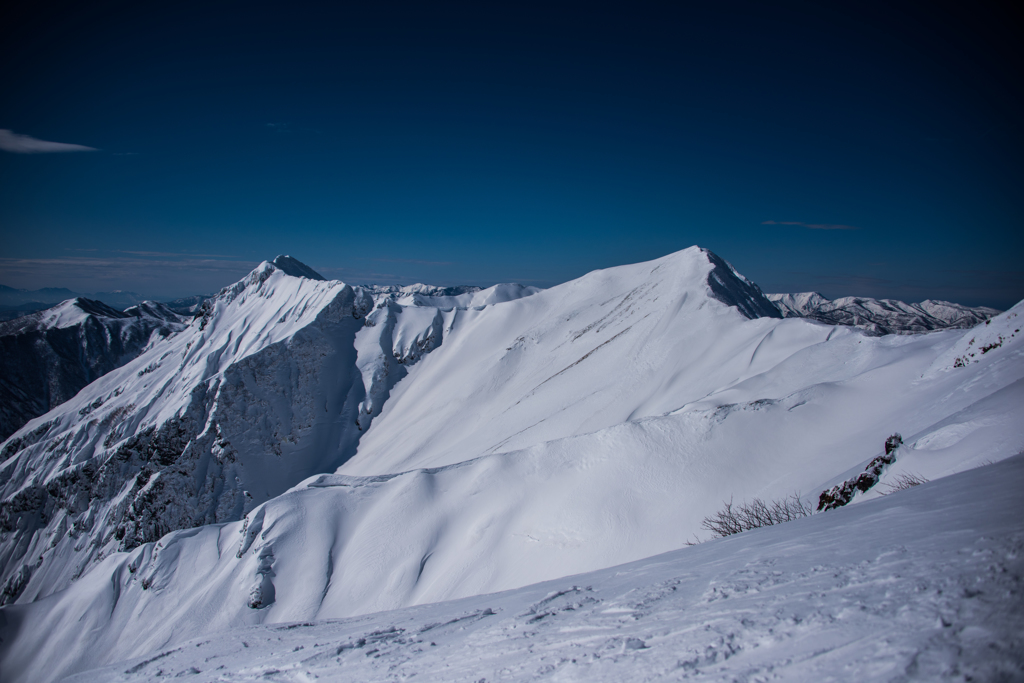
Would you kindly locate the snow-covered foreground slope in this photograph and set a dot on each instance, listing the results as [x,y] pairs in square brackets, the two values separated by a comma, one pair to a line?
[272,383]
[922,585]
[49,356]
[881,316]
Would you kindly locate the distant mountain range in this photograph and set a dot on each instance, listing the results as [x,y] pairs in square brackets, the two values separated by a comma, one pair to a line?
[48,356]
[13,300]
[881,316]
[15,303]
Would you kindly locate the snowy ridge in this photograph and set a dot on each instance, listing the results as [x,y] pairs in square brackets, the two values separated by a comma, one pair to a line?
[452,297]
[881,316]
[47,357]
[912,587]
[576,428]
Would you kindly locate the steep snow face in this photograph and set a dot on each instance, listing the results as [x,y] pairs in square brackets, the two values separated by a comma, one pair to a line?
[923,585]
[879,317]
[216,419]
[274,381]
[49,356]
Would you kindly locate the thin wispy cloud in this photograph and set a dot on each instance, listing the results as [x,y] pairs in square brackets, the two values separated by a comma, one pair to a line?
[813,226]
[26,144]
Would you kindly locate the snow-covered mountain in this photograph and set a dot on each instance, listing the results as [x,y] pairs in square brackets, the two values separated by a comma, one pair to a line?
[881,316]
[49,356]
[319,450]
[273,382]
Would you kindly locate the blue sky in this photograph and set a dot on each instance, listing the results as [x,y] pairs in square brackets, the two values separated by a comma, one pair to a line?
[852,150]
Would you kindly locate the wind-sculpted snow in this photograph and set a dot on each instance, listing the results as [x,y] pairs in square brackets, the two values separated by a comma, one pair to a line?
[49,356]
[881,316]
[923,585]
[594,423]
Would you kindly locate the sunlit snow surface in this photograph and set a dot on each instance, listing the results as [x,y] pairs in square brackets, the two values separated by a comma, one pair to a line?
[922,585]
[512,442]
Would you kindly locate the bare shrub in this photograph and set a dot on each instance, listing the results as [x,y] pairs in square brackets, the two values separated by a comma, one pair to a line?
[734,519]
[905,481]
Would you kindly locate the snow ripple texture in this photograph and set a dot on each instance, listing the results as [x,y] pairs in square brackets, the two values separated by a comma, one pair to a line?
[924,585]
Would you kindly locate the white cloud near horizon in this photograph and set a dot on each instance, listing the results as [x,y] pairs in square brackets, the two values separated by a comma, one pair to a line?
[26,144]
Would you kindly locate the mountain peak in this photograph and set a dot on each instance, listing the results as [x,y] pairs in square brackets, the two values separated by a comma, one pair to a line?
[295,268]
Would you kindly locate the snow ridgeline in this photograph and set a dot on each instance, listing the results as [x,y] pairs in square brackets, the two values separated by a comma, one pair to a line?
[273,381]
[591,424]
[923,585]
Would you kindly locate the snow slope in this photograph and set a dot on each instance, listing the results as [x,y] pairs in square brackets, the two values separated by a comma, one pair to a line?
[922,585]
[587,425]
[613,346]
[881,316]
[49,356]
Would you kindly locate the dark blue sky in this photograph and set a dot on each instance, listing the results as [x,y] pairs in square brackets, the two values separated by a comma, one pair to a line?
[471,143]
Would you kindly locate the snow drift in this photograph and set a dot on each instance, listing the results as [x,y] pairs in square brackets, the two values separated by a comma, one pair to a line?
[920,586]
